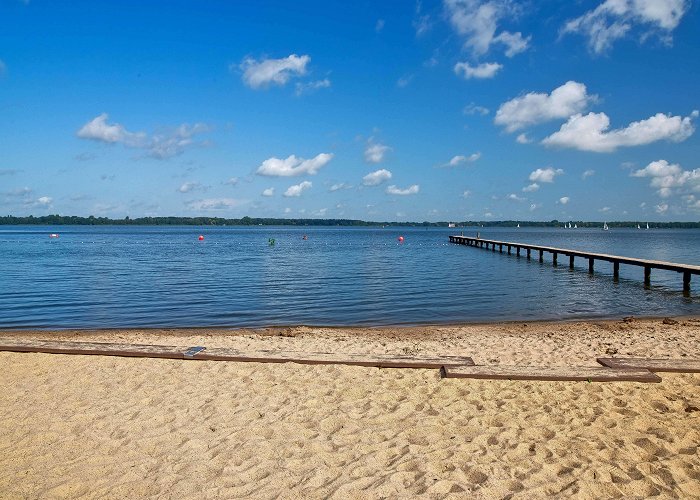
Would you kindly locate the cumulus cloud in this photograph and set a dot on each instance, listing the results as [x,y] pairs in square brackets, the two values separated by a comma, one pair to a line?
[461,160]
[534,107]
[466,194]
[531,188]
[188,187]
[293,166]
[473,109]
[534,206]
[403,192]
[268,192]
[404,81]
[477,21]
[661,208]
[590,132]
[375,152]
[266,72]
[564,200]
[302,88]
[377,177]
[614,19]
[670,178]
[515,197]
[297,189]
[379,25]
[212,204]
[587,174]
[545,174]
[232,181]
[523,139]
[339,186]
[481,71]
[159,146]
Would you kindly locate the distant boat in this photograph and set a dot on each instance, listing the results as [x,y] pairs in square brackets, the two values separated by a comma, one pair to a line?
[647,225]
[518,225]
[569,225]
[605,226]
[53,235]
[638,227]
[575,226]
[451,224]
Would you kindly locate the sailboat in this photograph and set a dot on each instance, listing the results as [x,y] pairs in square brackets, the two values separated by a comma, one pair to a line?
[518,225]
[605,226]
[569,225]
[638,227]
[575,226]
[647,225]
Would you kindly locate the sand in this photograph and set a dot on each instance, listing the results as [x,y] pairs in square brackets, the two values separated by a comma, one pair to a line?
[107,427]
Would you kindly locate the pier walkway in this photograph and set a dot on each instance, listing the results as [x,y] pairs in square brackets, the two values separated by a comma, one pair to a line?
[685,269]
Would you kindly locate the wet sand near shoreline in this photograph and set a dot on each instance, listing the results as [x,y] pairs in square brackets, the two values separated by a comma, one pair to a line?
[93,426]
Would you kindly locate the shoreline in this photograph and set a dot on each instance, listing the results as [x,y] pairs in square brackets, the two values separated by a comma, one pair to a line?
[120,427]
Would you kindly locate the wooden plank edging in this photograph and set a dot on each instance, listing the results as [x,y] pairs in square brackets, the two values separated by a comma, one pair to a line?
[656,365]
[551,373]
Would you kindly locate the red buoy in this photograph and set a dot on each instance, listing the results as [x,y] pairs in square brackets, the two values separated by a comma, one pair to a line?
[400,239]
[201,238]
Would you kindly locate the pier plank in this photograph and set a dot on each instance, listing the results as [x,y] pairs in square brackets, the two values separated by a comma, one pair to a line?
[551,373]
[223,354]
[656,365]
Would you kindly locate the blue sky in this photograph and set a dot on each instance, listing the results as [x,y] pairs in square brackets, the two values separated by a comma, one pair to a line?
[438,111]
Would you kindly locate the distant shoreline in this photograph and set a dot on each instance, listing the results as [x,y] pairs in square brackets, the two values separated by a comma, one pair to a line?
[71,220]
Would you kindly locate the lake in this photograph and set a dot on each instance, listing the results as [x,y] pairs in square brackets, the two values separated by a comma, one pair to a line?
[118,276]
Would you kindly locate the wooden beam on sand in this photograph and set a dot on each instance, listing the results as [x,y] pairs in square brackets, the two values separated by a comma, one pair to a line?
[657,365]
[551,373]
[222,354]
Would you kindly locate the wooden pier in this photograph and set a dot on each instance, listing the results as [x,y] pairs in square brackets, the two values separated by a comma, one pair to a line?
[685,269]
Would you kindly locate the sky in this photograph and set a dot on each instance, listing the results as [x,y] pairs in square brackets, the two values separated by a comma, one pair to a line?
[446,110]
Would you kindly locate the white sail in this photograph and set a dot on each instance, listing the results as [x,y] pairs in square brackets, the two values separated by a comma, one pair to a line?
[647,225]
[605,226]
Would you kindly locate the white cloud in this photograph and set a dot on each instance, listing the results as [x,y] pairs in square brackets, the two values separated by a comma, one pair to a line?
[190,186]
[604,209]
[212,204]
[523,139]
[260,74]
[461,159]
[473,109]
[404,81]
[403,192]
[531,187]
[302,88]
[44,200]
[669,178]
[534,108]
[287,210]
[484,70]
[422,25]
[587,174]
[589,132]
[379,26]
[376,177]
[613,19]
[232,181]
[515,197]
[339,186]
[661,208]
[297,189]
[160,146]
[564,200]
[98,129]
[477,21]
[293,166]
[375,152]
[545,174]
[268,192]
[534,206]
[466,194]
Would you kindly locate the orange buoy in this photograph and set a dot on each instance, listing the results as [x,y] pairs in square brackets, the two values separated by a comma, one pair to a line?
[201,238]
[400,239]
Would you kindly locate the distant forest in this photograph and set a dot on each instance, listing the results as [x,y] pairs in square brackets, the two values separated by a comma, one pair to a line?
[52,220]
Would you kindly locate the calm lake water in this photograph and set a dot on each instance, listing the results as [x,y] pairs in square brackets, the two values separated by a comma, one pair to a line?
[100,277]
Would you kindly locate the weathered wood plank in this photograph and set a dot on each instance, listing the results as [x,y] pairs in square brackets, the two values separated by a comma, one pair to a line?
[655,365]
[314,358]
[553,373]
[223,354]
[100,348]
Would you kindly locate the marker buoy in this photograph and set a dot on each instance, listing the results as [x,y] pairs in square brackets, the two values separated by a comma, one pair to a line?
[201,238]
[53,235]
[400,239]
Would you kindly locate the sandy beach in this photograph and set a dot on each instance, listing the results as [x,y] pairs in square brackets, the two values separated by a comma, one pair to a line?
[76,426]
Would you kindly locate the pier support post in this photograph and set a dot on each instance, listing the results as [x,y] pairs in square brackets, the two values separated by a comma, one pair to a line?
[500,248]
[517,251]
[647,275]
[686,282]
[590,265]
[508,249]
[541,255]
[616,270]
[528,254]
[571,261]
[493,247]
[554,258]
